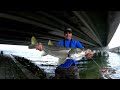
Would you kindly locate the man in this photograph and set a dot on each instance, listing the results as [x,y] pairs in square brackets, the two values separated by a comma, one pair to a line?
[63,71]
[68,41]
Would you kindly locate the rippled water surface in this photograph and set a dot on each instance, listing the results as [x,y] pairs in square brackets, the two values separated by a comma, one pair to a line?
[91,70]
[88,69]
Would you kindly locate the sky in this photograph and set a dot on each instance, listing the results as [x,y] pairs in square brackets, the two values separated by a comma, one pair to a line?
[12,47]
[115,41]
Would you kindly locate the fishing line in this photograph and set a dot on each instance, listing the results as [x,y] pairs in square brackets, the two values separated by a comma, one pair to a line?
[96,63]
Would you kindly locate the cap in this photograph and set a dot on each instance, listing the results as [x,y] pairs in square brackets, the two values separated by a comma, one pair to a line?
[68,30]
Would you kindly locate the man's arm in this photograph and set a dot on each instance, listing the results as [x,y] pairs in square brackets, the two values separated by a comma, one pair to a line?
[79,45]
[88,54]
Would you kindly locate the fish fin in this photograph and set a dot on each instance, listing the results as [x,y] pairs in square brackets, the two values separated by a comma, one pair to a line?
[34,41]
[50,43]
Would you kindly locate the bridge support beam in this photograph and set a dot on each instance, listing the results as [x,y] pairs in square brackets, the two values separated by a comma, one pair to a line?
[100,51]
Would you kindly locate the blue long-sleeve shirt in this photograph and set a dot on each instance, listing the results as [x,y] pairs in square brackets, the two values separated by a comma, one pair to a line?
[70,43]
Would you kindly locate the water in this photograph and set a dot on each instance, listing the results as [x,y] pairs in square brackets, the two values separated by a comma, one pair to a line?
[114,62]
[91,68]
[88,69]
[91,71]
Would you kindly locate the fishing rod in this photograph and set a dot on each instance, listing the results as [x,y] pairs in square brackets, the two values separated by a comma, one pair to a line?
[96,63]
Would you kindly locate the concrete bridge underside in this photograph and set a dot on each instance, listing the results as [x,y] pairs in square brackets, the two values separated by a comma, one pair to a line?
[91,28]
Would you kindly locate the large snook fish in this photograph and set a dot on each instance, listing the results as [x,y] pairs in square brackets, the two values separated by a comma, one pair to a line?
[61,52]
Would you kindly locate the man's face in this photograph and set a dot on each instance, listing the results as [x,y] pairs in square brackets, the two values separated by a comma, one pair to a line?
[68,35]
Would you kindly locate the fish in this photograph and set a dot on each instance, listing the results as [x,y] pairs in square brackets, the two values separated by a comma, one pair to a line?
[58,51]
[76,53]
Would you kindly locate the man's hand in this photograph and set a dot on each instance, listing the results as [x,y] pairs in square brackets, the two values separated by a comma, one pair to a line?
[39,47]
[89,54]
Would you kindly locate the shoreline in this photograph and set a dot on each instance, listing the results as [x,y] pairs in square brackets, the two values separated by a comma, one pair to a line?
[31,66]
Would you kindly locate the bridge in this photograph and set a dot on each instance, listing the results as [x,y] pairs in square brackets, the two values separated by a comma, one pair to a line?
[92,28]
[115,49]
